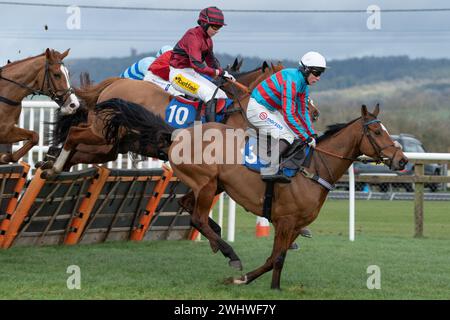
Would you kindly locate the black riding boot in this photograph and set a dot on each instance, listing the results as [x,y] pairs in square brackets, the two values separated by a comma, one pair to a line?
[279,176]
[210,111]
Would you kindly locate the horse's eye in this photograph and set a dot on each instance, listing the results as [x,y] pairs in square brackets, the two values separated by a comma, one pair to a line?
[57,75]
[377,132]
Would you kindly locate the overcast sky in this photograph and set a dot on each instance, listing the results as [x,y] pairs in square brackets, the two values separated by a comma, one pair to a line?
[107,33]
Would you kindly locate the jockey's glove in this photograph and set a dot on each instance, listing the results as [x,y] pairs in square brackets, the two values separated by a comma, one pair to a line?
[311,141]
[228,76]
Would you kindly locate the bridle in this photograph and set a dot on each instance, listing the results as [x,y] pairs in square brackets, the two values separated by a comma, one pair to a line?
[59,96]
[380,156]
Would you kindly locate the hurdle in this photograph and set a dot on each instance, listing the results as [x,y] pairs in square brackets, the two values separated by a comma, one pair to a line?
[116,207]
[144,222]
[94,205]
[46,208]
[80,219]
[13,180]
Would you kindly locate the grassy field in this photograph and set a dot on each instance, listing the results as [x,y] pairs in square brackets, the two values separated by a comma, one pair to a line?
[327,266]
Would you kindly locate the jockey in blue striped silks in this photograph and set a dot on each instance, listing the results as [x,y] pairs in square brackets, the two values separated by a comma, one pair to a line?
[279,106]
[139,69]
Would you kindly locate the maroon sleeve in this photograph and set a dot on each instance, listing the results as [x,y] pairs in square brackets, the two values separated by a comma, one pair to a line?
[212,61]
[194,52]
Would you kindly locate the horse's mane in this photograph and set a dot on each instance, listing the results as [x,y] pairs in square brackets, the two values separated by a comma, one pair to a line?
[20,61]
[241,74]
[90,93]
[332,129]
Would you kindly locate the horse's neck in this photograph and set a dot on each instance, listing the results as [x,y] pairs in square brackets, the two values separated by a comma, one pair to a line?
[344,143]
[237,119]
[248,78]
[26,73]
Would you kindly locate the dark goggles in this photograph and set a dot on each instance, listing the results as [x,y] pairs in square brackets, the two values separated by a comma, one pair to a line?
[215,26]
[316,71]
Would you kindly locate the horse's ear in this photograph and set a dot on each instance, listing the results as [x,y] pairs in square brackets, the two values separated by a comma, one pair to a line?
[264,66]
[64,54]
[377,110]
[8,62]
[239,65]
[235,63]
[48,53]
[364,112]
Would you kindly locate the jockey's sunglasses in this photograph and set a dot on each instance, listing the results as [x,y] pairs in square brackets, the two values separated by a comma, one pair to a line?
[215,27]
[317,71]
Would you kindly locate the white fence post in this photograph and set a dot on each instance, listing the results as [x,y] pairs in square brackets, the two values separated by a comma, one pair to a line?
[351,189]
[231,219]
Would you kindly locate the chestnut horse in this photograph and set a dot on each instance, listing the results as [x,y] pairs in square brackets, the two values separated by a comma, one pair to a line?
[44,74]
[295,205]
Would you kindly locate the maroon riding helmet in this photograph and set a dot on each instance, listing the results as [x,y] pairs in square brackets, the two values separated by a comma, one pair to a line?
[211,16]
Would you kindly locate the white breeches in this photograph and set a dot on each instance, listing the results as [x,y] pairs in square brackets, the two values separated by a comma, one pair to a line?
[269,122]
[193,84]
[163,84]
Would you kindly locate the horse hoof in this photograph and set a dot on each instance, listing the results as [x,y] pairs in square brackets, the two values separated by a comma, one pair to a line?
[240,280]
[47,173]
[47,165]
[236,264]
[39,164]
[5,158]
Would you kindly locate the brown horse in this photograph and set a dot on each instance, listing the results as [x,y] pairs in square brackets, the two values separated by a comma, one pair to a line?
[295,205]
[43,74]
[146,94]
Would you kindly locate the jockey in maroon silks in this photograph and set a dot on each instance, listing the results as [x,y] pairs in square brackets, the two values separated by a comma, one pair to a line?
[193,63]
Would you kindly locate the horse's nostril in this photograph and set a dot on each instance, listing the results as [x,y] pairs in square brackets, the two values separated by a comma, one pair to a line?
[72,105]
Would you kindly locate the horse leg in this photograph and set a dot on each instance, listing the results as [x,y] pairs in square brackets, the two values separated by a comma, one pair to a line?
[285,233]
[188,202]
[16,134]
[204,198]
[78,157]
[76,136]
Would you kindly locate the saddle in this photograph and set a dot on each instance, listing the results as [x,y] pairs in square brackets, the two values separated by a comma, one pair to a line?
[182,112]
[257,157]
[199,105]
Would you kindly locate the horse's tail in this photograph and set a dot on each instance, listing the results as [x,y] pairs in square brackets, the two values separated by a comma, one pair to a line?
[62,125]
[146,127]
[90,93]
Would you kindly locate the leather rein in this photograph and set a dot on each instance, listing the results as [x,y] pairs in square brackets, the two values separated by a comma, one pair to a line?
[51,91]
[378,150]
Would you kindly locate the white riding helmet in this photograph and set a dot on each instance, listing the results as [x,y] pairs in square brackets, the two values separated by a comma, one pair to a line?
[313,59]
[163,49]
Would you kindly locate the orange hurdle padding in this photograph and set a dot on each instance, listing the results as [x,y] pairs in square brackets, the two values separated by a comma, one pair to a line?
[14,200]
[144,221]
[22,209]
[79,221]
[194,232]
